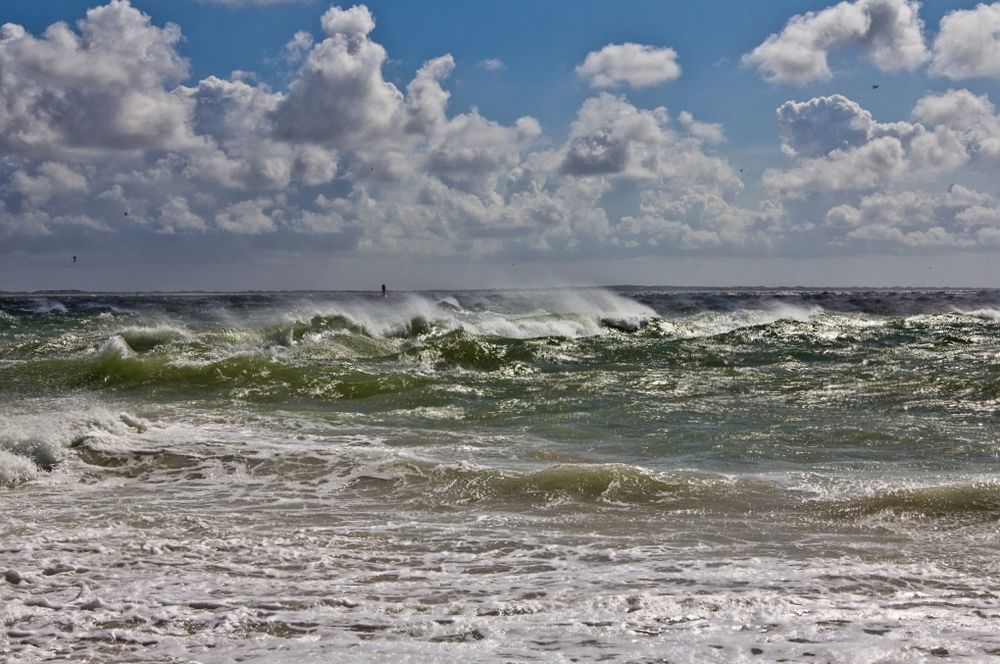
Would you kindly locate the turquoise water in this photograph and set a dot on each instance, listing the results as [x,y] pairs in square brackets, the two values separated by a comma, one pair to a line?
[621,474]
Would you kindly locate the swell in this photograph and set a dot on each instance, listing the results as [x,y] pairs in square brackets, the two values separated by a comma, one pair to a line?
[462,484]
[249,377]
[978,499]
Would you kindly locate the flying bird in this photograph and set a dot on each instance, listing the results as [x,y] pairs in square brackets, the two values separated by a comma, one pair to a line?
[874,86]
[74,259]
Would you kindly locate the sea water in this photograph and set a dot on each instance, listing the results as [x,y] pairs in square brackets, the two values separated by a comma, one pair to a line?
[622,475]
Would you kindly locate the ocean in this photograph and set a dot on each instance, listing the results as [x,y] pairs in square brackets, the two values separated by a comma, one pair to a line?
[626,474]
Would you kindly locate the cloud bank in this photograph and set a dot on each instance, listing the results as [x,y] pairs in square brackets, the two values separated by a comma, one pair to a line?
[103,136]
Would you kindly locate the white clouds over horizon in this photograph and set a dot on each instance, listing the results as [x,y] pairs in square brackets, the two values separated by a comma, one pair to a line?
[101,119]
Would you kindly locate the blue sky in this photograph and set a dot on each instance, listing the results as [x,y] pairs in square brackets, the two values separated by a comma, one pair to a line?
[708,143]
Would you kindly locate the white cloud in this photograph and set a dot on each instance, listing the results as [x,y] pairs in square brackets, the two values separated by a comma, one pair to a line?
[470,152]
[411,177]
[426,100]
[968,44]
[492,64]
[634,65]
[858,184]
[52,179]
[102,89]
[836,145]
[300,44]
[339,96]
[817,127]
[864,167]
[175,215]
[706,131]
[247,218]
[959,218]
[699,219]
[611,137]
[356,21]
[888,32]
[973,117]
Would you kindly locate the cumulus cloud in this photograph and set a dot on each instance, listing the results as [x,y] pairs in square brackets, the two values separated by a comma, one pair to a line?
[611,137]
[974,117]
[102,88]
[968,44]
[836,145]
[709,132]
[356,21]
[634,65]
[300,44]
[818,126]
[470,151]
[859,184]
[340,96]
[888,32]
[51,179]
[175,215]
[247,218]
[864,167]
[697,220]
[958,218]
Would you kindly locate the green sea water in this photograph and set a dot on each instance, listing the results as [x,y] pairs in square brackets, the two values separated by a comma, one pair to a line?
[624,474]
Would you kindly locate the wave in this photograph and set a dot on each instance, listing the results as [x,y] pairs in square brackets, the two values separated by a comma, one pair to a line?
[34,444]
[710,324]
[984,313]
[466,483]
[43,305]
[977,498]
[143,339]
[512,315]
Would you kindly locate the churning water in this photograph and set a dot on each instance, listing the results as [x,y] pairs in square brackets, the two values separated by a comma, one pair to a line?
[621,475]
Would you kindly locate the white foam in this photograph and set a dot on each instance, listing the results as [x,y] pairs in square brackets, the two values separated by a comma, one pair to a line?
[707,324]
[31,442]
[115,347]
[16,469]
[986,313]
[520,315]
[46,306]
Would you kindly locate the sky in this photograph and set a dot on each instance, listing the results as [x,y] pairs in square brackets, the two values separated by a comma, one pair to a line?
[273,145]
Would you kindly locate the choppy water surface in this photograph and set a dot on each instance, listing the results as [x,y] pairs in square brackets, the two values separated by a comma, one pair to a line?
[628,475]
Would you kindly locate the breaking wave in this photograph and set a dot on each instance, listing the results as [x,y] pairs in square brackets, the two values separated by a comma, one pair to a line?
[33,444]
